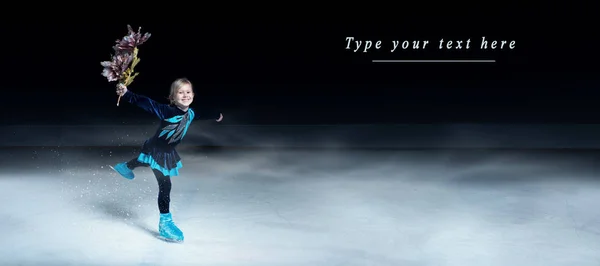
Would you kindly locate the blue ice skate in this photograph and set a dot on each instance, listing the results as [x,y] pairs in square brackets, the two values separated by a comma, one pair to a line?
[168,230]
[123,170]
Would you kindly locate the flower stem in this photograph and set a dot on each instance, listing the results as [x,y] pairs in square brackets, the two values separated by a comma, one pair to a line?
[129,75]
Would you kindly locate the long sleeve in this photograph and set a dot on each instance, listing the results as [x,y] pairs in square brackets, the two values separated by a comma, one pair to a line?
[212,115]
[147,104]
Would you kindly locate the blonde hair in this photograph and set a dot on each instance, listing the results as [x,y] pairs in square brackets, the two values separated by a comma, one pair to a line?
[175,86]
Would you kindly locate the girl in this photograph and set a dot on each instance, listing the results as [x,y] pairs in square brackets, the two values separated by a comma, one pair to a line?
[159,152]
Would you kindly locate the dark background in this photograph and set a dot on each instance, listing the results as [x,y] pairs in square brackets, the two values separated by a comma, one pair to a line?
[290,74]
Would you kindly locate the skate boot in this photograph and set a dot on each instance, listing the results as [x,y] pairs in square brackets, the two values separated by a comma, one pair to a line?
[167,228]
[123,170]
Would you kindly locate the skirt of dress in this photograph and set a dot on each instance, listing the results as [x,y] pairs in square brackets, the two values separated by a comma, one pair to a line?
[164,159]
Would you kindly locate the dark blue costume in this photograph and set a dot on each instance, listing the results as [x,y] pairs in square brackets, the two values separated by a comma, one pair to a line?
[159,152]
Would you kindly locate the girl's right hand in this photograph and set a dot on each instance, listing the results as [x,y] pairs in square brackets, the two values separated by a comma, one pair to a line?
[121,89]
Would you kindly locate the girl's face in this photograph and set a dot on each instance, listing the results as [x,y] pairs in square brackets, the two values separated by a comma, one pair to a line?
[185,96]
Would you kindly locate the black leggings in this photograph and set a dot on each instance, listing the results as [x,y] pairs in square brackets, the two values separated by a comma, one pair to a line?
[164,185]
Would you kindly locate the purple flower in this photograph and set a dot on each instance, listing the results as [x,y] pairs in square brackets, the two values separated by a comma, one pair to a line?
[132,40]
[120,68]
[115,69]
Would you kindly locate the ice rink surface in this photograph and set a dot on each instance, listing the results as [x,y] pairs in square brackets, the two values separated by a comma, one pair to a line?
[64,206]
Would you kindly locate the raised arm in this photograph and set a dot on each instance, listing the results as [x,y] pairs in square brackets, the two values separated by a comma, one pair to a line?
[143,102]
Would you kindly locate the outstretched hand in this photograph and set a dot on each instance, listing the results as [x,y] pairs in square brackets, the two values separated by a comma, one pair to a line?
[220,118]
[121,89]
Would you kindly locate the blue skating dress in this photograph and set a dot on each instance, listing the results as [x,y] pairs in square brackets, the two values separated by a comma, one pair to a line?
[159,150]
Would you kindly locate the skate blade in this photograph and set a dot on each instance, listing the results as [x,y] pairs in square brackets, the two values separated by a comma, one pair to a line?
[115,170]
[170,240]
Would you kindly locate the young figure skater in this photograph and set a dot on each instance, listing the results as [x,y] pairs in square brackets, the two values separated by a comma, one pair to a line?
[158,152]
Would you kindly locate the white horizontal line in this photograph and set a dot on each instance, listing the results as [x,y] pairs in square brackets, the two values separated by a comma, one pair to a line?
[434,61]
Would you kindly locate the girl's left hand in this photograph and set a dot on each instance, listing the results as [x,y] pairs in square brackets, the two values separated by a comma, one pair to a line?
[220,118]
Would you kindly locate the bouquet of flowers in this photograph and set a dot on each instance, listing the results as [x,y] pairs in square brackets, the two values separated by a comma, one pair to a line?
[124,60]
